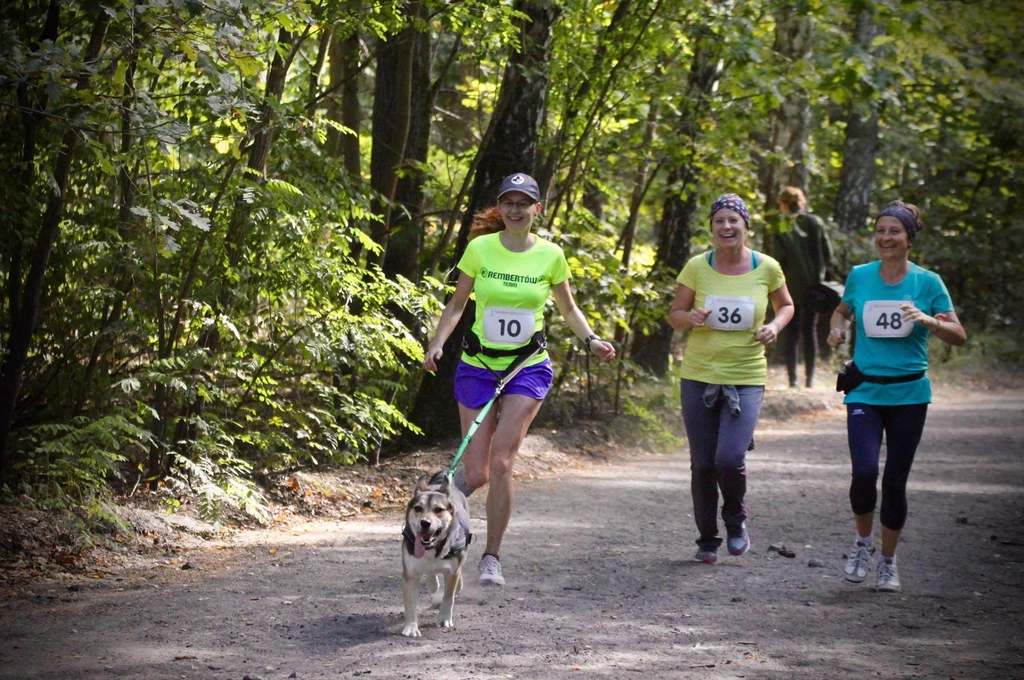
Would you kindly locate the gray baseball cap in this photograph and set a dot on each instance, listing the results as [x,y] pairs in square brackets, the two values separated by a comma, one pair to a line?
[522,183]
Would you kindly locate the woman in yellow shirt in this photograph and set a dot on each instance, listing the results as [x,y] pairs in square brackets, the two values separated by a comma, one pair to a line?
[723,297]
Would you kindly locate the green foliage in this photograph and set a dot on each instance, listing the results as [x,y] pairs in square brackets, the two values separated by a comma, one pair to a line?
[645,422]
[228,305]
[215,479]
[70,465]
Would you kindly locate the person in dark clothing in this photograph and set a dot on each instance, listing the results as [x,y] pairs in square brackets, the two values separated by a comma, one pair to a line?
[805,252]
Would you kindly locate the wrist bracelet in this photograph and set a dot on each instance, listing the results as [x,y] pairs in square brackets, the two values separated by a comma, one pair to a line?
[589,339]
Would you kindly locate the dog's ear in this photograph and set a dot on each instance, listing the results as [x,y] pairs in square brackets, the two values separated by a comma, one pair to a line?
[444,485]
[421,483]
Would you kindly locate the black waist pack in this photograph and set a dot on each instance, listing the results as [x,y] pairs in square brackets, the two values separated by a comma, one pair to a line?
[850,378]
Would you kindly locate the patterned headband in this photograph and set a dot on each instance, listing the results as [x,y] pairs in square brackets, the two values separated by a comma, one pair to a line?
[731,202]
[905,217]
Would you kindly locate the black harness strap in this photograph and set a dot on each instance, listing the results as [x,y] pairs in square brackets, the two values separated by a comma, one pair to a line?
[471,346]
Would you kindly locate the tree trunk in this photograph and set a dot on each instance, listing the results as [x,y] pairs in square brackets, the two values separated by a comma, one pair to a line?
[392,116]
[323,46]
[641,182]
[858,172]
[790,123]
[651,350]
[642,179]
[402,255]
[262,135]
[860,147]
[512,148]
[345,69]
[127,180]
[32,106]
[23,326]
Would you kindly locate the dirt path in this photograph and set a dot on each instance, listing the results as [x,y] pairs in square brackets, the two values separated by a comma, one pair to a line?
[601,582]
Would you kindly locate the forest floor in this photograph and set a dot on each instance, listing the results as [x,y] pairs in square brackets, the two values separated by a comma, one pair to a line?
[598,560]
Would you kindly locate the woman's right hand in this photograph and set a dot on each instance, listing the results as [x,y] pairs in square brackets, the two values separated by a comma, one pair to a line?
[698,315]
[431,357]
[836,337]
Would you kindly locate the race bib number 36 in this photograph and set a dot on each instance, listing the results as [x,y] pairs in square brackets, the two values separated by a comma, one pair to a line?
[508,325]
[730,313]
[884,319]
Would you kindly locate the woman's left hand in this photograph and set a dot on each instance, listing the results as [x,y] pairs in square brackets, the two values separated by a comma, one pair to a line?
[912,313]
[605,351]
[766,334]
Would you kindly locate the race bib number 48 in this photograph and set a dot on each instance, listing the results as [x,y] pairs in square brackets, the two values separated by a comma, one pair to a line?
[884,319]
[508,325]
[730,313]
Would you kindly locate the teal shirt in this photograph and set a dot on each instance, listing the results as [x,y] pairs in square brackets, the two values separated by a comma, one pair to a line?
[887,356]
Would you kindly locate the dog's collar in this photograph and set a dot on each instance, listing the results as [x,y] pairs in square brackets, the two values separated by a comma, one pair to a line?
[410,539]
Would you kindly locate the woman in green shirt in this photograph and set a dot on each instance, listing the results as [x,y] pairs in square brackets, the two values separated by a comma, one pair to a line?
[510,272]
[723,297]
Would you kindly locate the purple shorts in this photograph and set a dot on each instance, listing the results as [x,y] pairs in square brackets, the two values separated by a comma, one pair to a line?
[474,387]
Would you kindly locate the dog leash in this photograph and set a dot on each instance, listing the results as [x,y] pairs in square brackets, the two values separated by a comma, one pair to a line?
[502,384]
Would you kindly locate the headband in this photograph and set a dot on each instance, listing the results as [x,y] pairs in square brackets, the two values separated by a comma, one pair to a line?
[905,217]
[731,202]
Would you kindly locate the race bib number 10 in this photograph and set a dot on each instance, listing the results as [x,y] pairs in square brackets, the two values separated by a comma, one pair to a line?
[508,325]
[884,319]
[730,313]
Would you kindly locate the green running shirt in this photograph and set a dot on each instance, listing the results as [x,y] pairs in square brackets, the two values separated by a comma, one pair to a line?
[510,290]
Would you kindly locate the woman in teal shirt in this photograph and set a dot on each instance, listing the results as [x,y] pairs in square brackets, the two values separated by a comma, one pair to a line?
[895,305]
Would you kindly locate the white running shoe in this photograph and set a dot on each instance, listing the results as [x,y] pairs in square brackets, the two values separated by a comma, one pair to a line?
[490,571]
[858,561]
[738,543]
[888,578]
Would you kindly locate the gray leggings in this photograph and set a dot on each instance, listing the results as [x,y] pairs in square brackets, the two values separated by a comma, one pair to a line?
[718,456]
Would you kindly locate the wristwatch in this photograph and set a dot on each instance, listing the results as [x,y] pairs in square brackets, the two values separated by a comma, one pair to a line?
[589,339]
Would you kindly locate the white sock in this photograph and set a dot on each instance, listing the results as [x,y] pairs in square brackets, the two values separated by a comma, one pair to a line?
[868,541]
[890,560]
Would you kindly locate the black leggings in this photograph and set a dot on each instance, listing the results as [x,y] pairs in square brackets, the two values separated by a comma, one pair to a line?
[902,426]
[802,327]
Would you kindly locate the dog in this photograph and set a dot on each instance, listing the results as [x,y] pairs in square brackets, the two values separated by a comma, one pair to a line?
[435,539]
